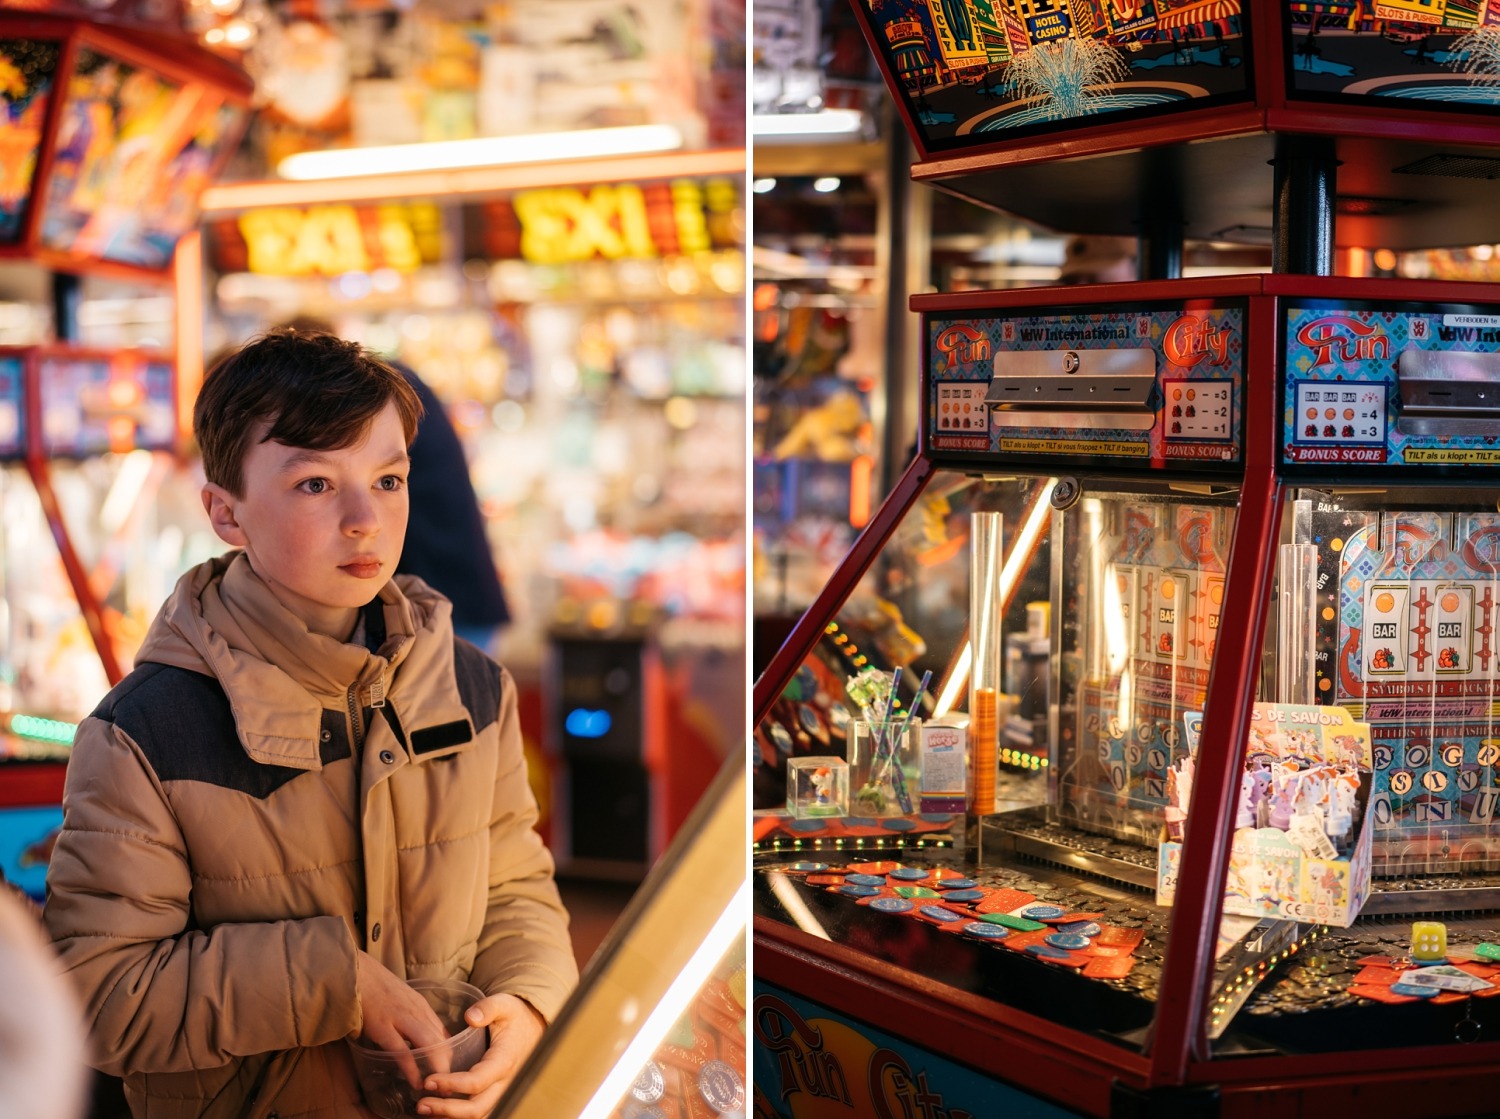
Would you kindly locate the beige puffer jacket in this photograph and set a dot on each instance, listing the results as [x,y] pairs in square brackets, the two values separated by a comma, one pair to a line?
[254,803]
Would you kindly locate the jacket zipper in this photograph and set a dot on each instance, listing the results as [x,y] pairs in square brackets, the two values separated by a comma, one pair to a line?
[356,720]
[356,724]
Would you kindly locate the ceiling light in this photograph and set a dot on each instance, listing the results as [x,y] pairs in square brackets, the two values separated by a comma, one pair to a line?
[763,186]
[825,122]
[827,184]
[487,151]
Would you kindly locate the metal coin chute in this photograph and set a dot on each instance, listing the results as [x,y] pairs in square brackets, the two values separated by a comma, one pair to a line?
[1074,389]
[1448,392]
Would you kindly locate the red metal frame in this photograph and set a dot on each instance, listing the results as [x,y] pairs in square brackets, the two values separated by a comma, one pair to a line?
[840,585]
[37,466]
[32,784]
[1062,1063]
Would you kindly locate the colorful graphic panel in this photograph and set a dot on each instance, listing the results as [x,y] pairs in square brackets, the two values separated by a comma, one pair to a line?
[1412,646]
[95,404]
[27,69]
[1342,391]
[973,72]
[1415,53]
[134,151]
[1192,412]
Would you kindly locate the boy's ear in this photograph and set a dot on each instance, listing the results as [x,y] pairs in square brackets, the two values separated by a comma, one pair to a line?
[219,504]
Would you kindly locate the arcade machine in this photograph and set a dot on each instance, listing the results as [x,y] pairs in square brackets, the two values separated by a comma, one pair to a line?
[111,128]
[1234,830]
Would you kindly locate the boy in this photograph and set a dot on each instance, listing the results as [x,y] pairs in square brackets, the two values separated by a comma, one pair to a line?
[307,791]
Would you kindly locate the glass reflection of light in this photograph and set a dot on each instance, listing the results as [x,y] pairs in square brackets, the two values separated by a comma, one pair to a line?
[1020,554]
[726,930]
[796,908]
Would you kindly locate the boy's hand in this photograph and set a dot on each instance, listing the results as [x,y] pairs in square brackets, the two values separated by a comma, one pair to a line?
[515,1029]
[396,1018]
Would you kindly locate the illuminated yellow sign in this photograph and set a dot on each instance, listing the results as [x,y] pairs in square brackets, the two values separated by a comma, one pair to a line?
[564,224]
[331,240]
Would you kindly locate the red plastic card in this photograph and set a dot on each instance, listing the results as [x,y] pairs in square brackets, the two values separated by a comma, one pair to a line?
[873,868]
[1109,968]
[1004,901]
[1114,936]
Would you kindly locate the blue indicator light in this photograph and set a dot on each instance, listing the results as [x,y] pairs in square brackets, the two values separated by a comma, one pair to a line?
[584,723]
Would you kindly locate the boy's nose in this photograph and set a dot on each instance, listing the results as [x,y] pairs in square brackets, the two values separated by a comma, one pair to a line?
[359,517]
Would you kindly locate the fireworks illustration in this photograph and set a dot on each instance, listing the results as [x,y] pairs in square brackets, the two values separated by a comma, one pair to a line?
[1480,55]
[1066,75]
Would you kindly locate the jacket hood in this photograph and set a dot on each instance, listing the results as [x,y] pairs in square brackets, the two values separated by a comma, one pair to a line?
[224,621]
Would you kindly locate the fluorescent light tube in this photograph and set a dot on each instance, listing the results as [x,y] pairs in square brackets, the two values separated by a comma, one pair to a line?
[486,151]
[826,122]
[729,928]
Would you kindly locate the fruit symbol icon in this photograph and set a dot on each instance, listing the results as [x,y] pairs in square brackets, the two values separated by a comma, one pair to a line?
[1165,643]
[1383,658]
[1448,658]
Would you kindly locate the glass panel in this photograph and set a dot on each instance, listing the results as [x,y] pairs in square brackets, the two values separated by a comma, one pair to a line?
[1400,633]
[1086,613]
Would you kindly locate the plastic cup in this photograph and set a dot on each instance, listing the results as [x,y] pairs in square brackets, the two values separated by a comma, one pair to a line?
[392,1082]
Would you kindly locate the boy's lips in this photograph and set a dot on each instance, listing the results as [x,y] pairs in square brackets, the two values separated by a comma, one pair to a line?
[363,568]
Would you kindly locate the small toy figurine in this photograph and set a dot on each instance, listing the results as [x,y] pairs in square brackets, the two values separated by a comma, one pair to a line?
[1244,812]
[822,780]
[1283,798]
[1260,797]
[1429,942]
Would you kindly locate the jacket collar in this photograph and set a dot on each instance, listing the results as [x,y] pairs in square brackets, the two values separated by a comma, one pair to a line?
[279,677]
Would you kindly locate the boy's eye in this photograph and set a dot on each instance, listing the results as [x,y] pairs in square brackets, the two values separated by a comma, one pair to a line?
[392,482]
[315,485]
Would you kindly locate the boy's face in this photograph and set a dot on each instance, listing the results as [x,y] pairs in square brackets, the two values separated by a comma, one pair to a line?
[323,528]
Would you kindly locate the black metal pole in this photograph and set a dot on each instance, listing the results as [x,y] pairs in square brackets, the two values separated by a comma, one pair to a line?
[897,427]
[67,294]
[1159,246]
[1306,175]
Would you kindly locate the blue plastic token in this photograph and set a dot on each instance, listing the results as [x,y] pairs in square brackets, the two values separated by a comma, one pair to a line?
[805,824]
[1070,941]
[1432,963]
[962,895]
[1046,951]
[1418,992]
[857,891]
[892,905]
[1079,928]
[956,883]
[938,913]
[898,823]
[909,873]
[811,868]
[983,930]
[1041,912]
[864,879]
[861,821]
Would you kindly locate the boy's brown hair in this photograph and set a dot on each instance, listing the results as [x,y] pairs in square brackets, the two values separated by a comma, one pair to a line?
[317,392]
